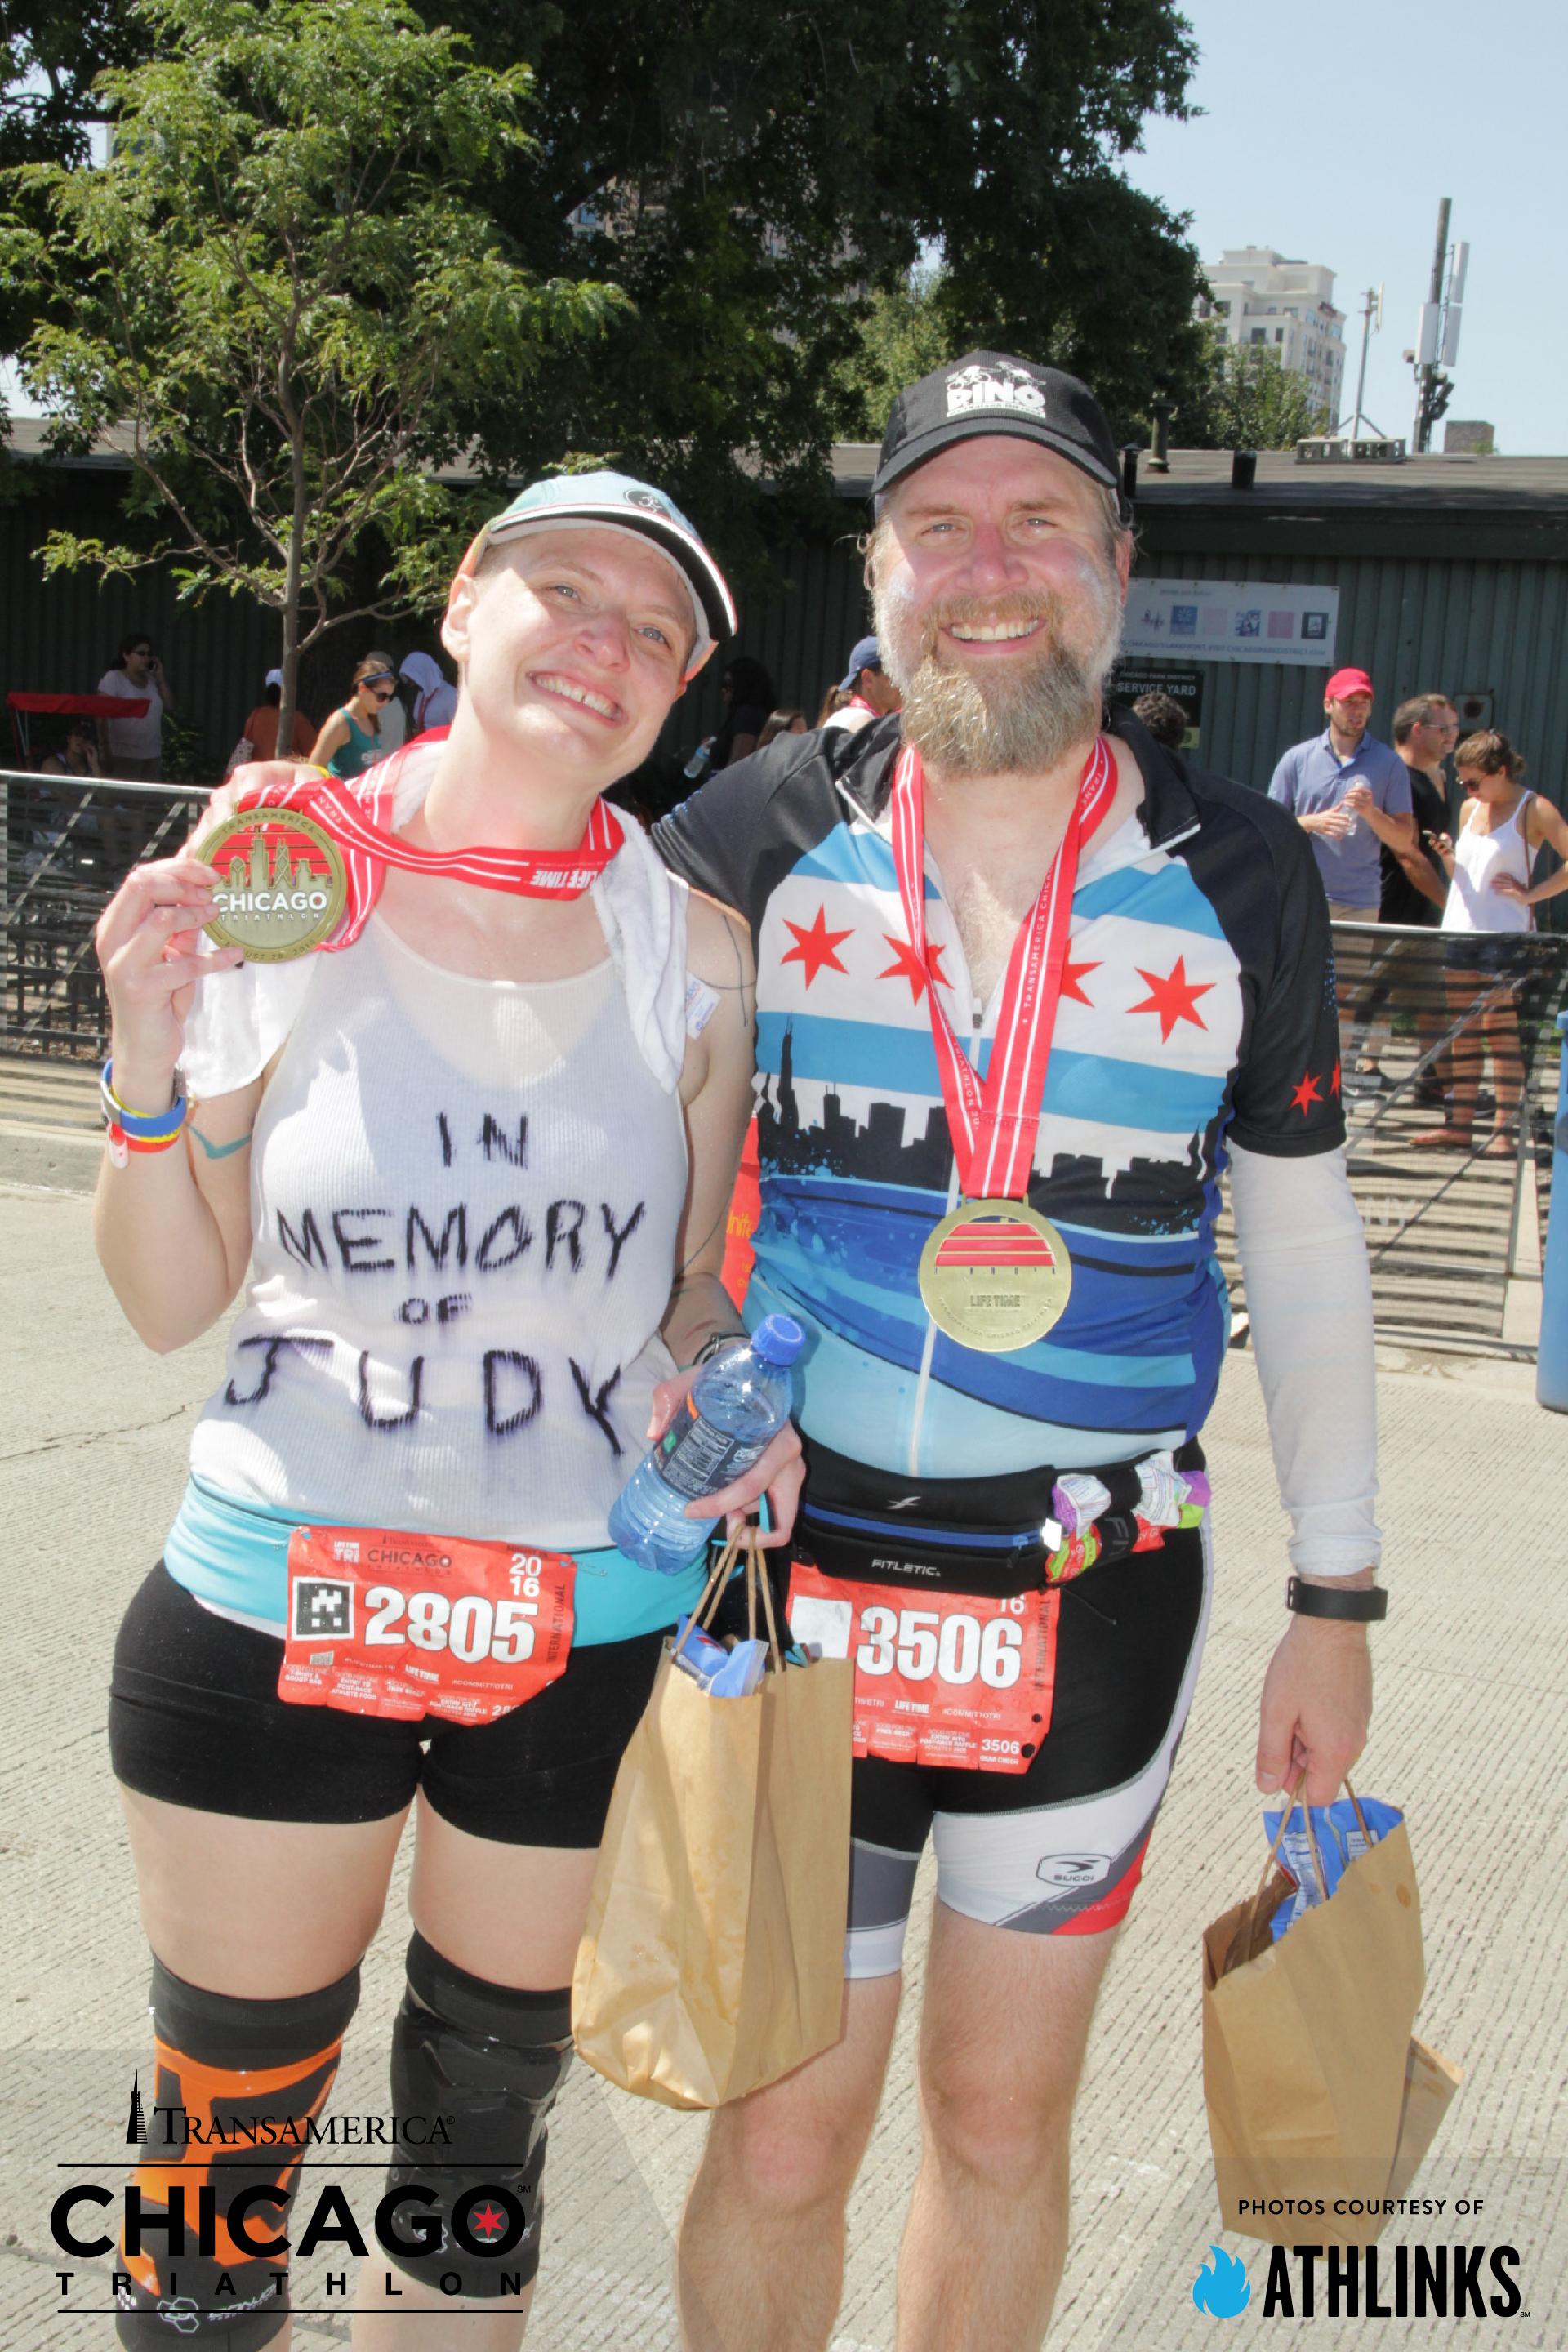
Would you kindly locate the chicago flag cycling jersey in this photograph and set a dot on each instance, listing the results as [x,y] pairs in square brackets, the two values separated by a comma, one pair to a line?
[1197,1003]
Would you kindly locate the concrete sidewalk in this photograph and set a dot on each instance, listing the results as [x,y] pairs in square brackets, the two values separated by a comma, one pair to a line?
[1472,1676]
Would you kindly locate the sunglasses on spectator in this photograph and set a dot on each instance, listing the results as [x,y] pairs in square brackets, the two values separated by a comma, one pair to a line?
[378,676]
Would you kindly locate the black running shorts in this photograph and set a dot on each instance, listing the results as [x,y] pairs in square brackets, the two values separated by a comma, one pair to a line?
[1057,1849]
[195,1718]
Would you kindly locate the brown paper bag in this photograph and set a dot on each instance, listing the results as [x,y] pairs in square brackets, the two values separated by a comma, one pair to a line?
[1316,2092]
[713,1958]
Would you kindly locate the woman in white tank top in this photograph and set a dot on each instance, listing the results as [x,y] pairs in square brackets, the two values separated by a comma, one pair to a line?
[478,1156]
[1486,918]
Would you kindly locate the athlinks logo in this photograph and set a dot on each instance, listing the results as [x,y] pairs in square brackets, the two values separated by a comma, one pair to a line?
[1222,2287]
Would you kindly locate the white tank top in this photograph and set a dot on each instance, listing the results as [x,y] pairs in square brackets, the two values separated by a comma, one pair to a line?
[465,1196]
[1473,903]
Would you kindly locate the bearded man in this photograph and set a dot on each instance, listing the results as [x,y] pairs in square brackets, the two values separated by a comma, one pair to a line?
[1025,982]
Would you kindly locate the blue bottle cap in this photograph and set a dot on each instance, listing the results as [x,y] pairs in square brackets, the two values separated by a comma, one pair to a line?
[778,1339]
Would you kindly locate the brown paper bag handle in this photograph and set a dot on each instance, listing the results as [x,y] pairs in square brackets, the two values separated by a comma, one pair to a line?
[757,1579]
[707,1609]
[1292,1798]
[707,1606]
[1312,1838]
[1361,1817]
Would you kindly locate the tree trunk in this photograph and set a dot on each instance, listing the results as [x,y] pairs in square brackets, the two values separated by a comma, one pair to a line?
[289,701]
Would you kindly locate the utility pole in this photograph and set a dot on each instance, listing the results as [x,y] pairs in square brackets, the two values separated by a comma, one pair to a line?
[1371,321]
[1426,350]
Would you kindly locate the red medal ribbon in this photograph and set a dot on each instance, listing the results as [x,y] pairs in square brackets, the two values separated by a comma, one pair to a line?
[859,702]
[360,822]
[993,1132]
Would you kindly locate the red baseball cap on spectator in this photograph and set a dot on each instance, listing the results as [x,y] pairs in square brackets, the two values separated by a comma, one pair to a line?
[1347,682]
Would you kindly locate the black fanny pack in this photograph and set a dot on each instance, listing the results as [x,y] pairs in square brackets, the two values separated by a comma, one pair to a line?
[991,1537]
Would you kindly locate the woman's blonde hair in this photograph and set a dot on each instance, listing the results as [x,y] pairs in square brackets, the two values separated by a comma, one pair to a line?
[1491,752]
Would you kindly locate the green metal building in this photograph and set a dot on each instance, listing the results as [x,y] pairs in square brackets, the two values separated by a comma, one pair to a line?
[1452,575]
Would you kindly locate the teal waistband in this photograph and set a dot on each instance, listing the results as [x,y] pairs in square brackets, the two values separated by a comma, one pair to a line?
[234,1556]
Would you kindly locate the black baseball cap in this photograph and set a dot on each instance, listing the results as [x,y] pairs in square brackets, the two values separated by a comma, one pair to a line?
[986,392]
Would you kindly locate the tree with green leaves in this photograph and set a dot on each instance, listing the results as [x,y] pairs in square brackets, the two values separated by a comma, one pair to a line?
[753,177]
[902,336]
[1249,400]
[286,286]
[755,182]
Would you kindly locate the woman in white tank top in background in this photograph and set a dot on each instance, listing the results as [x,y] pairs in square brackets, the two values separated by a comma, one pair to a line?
[1485,921]
[477,1160]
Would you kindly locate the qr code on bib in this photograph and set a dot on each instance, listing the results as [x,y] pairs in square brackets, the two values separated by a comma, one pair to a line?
[323,1606]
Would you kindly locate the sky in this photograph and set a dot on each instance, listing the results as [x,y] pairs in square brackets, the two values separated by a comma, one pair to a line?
[1330,131]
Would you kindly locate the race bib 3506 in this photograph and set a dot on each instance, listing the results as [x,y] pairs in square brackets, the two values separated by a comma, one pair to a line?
[404,1626]
[940,1677]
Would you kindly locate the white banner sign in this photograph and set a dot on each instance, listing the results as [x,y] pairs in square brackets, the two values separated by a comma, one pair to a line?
[1232,621]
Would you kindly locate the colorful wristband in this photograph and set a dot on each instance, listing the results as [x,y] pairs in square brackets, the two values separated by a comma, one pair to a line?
[131,1130]
[157,1126]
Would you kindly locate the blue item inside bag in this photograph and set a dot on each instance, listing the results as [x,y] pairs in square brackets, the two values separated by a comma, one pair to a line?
[723,1673]
[1337,1838]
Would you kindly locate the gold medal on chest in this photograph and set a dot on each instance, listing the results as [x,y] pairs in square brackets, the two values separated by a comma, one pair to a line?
[283,884]
[996,1275]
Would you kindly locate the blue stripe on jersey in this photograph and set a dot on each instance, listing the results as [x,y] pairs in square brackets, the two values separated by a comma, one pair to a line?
[1167,895]
[858,856]
[867,1409]
[1077,1086]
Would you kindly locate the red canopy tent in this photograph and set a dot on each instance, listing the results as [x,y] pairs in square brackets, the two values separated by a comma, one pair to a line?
[67,705]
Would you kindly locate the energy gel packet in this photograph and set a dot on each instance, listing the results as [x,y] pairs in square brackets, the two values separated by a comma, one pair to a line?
[1337,1838]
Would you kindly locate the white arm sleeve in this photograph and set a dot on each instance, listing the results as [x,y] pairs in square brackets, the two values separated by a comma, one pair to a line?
[1309,1294]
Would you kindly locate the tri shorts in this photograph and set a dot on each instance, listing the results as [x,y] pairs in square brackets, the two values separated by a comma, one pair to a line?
[1057,1849]
[195,1718]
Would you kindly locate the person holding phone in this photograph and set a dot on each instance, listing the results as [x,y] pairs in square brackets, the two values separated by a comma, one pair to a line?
[1487,921]
[133,747]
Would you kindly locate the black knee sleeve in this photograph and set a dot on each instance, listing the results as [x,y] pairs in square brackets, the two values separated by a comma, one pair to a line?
[231,2077]
[489,2062]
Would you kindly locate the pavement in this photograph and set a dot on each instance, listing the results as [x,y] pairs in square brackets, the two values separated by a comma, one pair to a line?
[1472,1671]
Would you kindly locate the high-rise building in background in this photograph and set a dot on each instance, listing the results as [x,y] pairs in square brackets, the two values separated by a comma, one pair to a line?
[1259,301]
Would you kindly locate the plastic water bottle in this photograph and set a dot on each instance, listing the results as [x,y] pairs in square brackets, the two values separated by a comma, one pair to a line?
[737,1404]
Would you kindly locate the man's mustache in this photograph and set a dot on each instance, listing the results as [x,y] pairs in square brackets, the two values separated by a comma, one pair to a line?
[1018,608]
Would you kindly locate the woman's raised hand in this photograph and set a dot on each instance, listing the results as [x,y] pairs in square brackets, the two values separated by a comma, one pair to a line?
[146,941]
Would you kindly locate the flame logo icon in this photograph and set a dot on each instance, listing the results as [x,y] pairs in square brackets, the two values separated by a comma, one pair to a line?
[1222,2287]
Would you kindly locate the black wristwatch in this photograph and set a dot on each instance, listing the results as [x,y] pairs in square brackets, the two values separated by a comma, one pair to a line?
[1361,1605]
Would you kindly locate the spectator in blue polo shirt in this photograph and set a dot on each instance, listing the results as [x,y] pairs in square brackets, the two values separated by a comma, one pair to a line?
[1349,794]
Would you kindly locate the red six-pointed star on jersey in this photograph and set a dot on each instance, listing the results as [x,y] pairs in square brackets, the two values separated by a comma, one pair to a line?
[1306,1094]
[814,946]
[907,965]
[1071,973]
[487,2221]
[1174,997]
[1335,1081]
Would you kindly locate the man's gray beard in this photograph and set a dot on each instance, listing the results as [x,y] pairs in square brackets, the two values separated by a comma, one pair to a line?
[1015,721]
